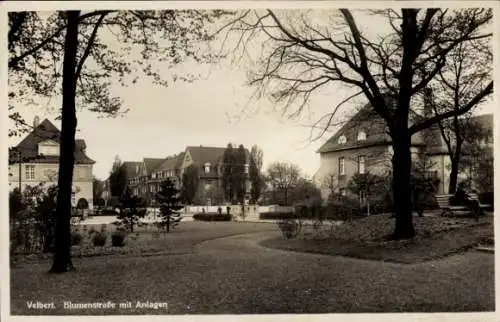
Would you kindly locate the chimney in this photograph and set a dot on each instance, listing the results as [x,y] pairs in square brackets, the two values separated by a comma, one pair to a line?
[36,122]
[428,110]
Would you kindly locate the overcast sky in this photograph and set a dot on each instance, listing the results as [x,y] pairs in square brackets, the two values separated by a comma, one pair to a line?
[212,111]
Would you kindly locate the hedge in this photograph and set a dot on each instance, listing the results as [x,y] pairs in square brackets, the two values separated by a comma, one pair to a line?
[276,215]
[212,217]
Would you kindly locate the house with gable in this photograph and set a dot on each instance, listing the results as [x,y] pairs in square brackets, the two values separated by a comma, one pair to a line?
[35,160]
[142,183]
[210,162]
[363,145]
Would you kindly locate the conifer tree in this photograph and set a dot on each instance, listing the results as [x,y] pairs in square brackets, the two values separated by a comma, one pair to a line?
[170,204]
[131,209]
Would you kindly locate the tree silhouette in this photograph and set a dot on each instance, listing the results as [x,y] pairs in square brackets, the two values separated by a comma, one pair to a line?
[131,209]
[170,204]
[309,50]
[37,47]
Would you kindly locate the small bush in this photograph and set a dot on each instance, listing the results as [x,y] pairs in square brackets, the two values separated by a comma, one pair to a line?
[107,212]
[92,231]
[99,239]
[118,239]
[289,228]
[212,217]
[76,238]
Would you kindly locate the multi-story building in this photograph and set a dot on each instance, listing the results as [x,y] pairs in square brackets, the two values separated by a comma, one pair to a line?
[208,161]
[363,145]
[35,160]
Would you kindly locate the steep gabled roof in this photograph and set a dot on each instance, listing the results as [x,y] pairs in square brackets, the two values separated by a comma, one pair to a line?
[170,163]
[28,147]
[180,160]
[131,168]
[151,164]
[205,154]
[485,120]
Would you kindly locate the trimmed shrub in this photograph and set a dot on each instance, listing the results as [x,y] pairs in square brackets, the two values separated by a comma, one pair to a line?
[99,239]
[276,215]
[76,238]
[212,217]
[118,239]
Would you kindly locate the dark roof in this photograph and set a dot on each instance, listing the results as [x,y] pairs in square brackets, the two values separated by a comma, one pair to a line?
[46,131]
[131,168]
[180,159]
[204,154]
[365,120]
[213,155]
[170,163]
[151,164]
[485,120]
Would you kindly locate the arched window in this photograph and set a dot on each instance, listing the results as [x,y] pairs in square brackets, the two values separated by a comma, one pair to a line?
[361,136]
[207,167]
[342,139]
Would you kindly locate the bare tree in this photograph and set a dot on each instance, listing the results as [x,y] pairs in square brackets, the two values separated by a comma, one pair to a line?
[461,80]
[283,176]
[304,51]
[72,39]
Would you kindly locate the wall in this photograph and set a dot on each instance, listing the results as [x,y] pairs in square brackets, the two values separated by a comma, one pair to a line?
[48,173]
[377,160]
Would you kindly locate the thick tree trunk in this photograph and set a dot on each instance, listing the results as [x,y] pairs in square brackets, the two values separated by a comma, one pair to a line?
[62,252]
[452,188]
[401,163]
[455,165]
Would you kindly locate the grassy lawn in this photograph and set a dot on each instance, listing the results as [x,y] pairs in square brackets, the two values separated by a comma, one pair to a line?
[145,242]
[365,238]
[233,276]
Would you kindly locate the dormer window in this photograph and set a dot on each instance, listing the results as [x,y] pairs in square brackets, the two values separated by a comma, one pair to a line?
[48,147]
[207,167]
[342,139]
[361,136]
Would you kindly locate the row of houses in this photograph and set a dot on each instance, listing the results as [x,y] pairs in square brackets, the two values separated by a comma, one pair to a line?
[144,177]
[361,145]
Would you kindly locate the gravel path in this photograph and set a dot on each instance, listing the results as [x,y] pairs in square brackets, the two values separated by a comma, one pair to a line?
[234,275]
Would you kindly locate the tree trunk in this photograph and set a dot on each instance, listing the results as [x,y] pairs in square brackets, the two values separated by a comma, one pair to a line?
[452,188]
[401,164]
[62,252]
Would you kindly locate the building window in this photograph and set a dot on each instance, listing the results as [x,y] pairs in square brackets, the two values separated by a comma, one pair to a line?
[361,164]
[30,172]
[361,136]
[207,167]
[342,192]
[342,139]
[341,166]
[246,168]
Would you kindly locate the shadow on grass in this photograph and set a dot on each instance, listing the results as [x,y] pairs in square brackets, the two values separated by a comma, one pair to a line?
[441,240]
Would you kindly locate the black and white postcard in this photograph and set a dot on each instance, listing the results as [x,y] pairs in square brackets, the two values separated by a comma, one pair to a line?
[256,160]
